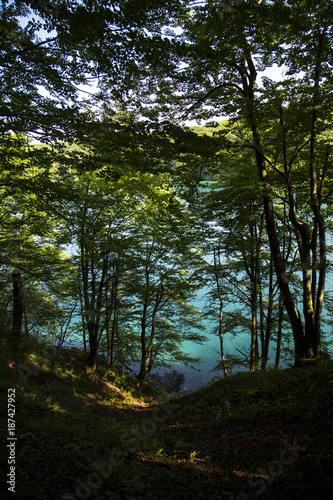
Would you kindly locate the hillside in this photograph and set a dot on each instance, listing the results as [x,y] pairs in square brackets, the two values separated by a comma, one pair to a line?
[82,435]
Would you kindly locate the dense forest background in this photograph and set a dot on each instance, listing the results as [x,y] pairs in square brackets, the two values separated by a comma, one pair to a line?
[149,152]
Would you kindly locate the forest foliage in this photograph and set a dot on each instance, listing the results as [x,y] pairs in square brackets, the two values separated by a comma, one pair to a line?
[116,210]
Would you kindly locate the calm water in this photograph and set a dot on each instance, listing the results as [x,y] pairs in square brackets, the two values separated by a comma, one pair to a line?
[209,352]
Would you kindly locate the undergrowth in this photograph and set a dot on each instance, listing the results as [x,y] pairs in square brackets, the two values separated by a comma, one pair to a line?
[94,435]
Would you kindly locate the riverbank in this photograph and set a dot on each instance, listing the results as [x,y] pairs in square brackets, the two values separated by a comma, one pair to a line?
[93,435]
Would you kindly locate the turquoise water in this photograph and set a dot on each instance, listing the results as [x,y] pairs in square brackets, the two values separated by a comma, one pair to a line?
[209,352]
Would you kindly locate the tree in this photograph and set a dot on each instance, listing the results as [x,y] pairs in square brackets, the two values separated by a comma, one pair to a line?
[103,233]
[131,238]
[54,56]
[29,64]
[226,45]
[34,270]
[163,277]
[92,210]
[233,204]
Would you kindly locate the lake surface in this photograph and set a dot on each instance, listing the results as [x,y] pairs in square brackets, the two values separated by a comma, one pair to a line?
[209,352]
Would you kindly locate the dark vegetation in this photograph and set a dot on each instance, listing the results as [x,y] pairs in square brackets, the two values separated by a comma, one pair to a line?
[115,214]
[84,434]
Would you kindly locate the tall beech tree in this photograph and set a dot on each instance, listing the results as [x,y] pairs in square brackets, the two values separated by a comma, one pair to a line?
[163,277]
[93,210]
[32,262]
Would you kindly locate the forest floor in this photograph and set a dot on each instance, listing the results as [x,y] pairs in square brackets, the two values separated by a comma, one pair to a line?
[84,435]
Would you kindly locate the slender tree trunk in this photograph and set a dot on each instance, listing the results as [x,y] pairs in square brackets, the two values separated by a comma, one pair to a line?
[83,322]
[150,354]
[316,337]
[253,271]
[18,308]
[217,264]
[143,364]
[93,345]
[147,354]
[254,311]
[94,308]
[279,334]
[114,314]
[268,330]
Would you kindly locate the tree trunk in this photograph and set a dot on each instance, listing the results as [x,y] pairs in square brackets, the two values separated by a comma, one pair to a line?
[217,264]
[113,311]
[18,308]
[93,345]
[253,271]
[147,353]
[254,355]
[143,364]
[279,334]
[267,334]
